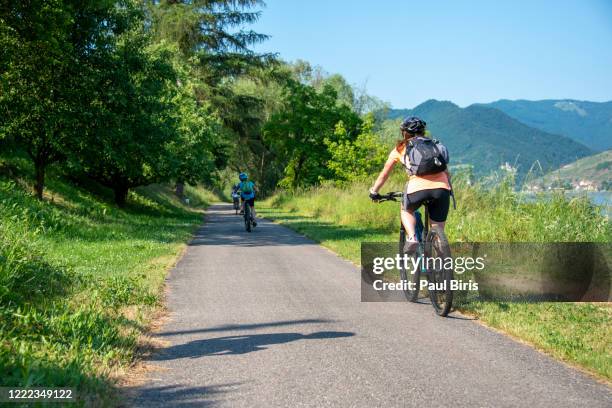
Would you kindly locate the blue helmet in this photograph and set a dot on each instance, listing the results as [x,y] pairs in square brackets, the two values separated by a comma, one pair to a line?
[243,177]
[413,125]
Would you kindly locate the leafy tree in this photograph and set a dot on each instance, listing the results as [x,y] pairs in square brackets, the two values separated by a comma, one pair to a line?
[257,97]
[128,140]
[203,31]
[50,51]
[351,95]
[205,24]
[298,132]
[217,50]
[197,149]
[359,158]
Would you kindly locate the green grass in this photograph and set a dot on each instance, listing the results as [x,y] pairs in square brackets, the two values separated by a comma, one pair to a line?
[341,217]
[80,279]
[573,332]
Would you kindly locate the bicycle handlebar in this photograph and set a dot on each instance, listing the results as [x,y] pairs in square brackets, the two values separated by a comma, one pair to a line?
[390,196]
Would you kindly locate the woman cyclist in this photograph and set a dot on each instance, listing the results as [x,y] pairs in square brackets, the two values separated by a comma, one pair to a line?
[433,188]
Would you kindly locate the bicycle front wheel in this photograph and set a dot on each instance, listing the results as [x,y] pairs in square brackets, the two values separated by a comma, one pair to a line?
[439,277]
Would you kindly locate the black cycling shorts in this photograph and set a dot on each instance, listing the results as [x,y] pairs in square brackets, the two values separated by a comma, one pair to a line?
[438,202]
[250,201]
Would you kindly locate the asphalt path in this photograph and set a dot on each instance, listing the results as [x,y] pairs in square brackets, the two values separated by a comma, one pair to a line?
[271,319]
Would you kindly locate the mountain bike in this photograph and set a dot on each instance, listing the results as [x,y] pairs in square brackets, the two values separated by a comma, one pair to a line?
[248,217]
[432,245]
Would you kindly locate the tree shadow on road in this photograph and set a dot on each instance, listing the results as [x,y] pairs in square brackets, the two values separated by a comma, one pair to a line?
[240,344]
[252,326]
[228,230]
[178,395]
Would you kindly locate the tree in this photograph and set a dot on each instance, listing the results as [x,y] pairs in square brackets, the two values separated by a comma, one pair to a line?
[202,29]
[217,52]
[197,149]
[128,139]
[204,24]
[351,95]
[298,132]
[356,159]
[343,89]
[50,49]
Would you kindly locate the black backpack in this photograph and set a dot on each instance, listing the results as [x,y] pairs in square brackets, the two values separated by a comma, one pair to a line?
[425,156]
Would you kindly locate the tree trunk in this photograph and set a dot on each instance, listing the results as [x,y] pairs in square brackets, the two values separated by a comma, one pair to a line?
[121,194]
[180,189]
[39,168]
[298,170]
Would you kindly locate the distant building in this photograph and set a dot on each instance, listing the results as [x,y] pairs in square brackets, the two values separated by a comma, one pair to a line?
[585,185]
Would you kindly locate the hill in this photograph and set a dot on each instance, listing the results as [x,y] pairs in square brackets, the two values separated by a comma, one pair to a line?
[589,173]
[487,138]
[589,123]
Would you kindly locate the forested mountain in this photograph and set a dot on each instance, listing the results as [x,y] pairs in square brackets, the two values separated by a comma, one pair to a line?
[487,138]
[589,123]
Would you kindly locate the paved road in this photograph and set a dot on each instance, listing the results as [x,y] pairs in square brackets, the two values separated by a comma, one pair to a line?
[272,319]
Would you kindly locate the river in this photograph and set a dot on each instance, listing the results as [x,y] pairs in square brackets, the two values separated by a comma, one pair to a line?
[600,198]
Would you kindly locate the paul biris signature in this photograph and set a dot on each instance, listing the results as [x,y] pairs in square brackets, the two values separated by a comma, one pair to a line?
[423,284]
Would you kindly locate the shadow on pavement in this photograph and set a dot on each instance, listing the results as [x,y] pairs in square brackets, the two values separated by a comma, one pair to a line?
[223,227]
[239,344]
[229,327]
[234,234]
[180,396]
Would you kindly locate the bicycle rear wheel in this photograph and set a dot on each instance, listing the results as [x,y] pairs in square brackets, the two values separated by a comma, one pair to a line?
[438,250]
[406,276]
[247,217]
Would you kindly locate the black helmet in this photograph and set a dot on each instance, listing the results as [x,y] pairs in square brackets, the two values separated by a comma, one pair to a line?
[413,125]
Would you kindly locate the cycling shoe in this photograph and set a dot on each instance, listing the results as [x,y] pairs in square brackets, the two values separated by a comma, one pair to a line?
[410,247]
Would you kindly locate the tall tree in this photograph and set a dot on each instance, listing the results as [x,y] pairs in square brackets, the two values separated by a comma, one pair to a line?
[356,158]
[47,67]
[211,38]
[298,133]
[128,140]
[198,148]
[209,34]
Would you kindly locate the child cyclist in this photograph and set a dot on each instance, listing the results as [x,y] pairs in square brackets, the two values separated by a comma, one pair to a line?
[433,188]
[247,193]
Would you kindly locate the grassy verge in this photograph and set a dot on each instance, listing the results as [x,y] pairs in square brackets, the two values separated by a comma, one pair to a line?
[341,218]
[80,280]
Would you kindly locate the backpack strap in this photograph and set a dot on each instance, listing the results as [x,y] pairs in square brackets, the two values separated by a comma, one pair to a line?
[410,145]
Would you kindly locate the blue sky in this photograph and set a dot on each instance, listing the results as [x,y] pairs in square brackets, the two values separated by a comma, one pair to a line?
[464,51]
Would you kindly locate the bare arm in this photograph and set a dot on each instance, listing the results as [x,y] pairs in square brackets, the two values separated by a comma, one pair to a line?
[383,176]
